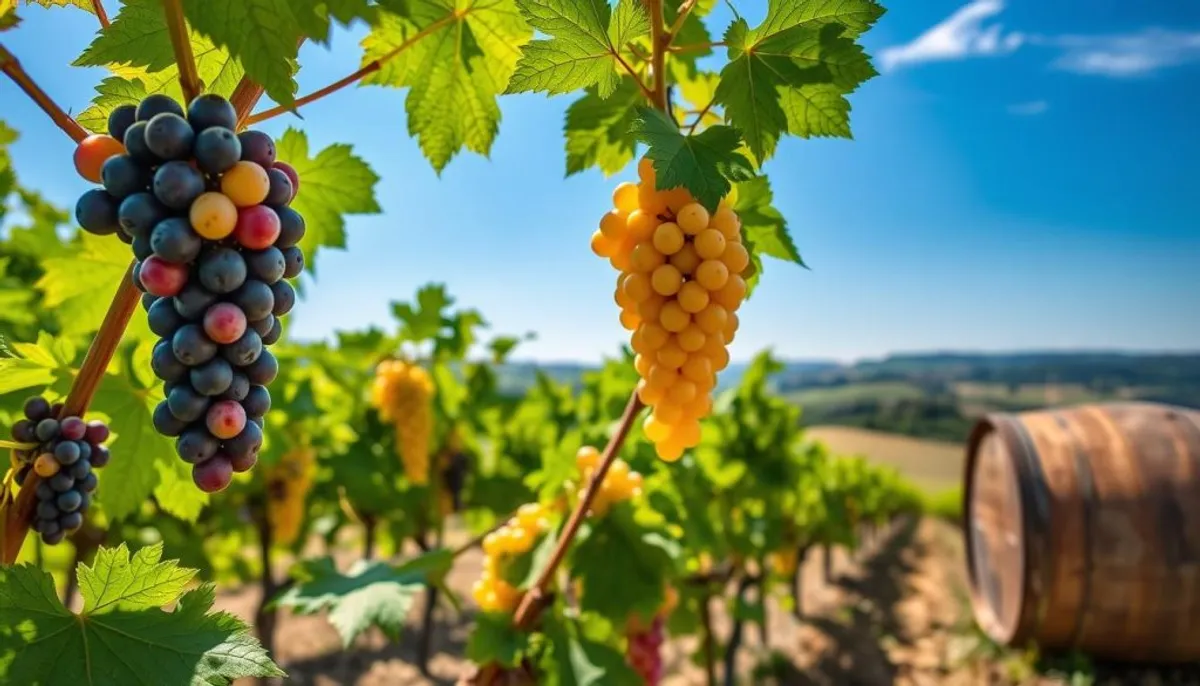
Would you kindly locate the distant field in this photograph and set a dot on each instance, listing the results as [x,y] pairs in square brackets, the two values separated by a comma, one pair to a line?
[1038,395]
[934,465]
[849,393]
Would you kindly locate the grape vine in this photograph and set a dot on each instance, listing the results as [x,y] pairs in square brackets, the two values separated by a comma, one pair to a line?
[219,218]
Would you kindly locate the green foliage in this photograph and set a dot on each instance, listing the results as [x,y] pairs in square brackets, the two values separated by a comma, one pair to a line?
[586,37]
[703,163]
[122,634]
[622,566]
[334,183]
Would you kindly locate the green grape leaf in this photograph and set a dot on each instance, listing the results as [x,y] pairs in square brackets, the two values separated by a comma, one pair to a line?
[316,17]
[137,37]
[264,35]
[597,129]
[80,285]
[703,163]
[175,492]
[85,5]
[585,39]
[791,74]
[762,224]
[334,183]
[111,93]
[495,639]
[423,321]
[463,60]
[622,566]
[8,20]
[122,634]
[20,373]
[577,659]
[370,593]
[136,446]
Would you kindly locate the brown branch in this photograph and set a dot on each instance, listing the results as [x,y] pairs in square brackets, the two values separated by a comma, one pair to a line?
[535,598]
[98,6]
[700,116]
[636,77]
[104,345]
[181,43]
[684,10]
[12,68]
[660,40]
[368,68]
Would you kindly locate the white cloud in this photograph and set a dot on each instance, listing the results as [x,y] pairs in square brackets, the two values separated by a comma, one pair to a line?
[964,35]
[959,36]
[1029,109]
[1124,55]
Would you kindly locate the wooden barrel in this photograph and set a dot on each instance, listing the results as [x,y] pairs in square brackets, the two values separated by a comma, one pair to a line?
[1082,530]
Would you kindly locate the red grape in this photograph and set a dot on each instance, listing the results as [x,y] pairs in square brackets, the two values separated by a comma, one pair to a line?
[292,176]
[224,323]
[257,227]
[72,428]
[213,474]
[163,278]
[225,419]
[97,432]
[244,462]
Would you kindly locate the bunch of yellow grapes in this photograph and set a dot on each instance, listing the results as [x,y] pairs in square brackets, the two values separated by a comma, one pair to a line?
[680,286]
[403,394]
[516,537]
[620,483]
[288,483]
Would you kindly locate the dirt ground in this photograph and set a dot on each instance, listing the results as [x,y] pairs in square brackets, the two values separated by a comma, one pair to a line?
[895,614]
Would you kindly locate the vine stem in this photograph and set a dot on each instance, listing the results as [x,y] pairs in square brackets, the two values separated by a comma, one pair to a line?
[684,10]
[12,68]
[533,601]
[363,71]
[189,79]
[98,6]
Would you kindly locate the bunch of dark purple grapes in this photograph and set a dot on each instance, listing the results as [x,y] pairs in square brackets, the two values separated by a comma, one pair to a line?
[206,211]
[65,452]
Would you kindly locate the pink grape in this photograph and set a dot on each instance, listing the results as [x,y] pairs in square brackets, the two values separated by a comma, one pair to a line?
[291,174]
[244,462]
[257,227]
[163,278]
[213,474]
[97,432]
[224,323]
[225,419]
[72,428]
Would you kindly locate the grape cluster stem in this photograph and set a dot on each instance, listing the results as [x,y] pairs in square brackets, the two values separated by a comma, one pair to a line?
[535,598]
[189,79]
[101,15]
[11,67]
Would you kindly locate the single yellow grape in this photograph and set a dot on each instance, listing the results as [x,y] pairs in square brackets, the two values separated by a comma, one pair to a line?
[630,320]
[625,197]
[691,339]
[712,318]
[650,309]
[710,244]
[673,317]
[654,429]
[686,260]
[246,184]
[671,355]
[662,376]
[697,368]
[692,297]
[692,218]
[668,413]
[650,200]
[712,274]
[213,216]
[650,395]
[640,225]
[726,221]
[669,451]
[736,257]
[668,238]
[642,364]
[666,280]
[687,433]
[612,224]
[731,295]
[645,170]
[646,258]
[654,336]
[683,391]
[731,328]
[636,287]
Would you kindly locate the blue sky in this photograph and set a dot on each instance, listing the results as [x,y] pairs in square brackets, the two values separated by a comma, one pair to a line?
[1024,175]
